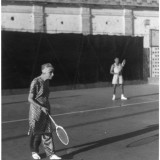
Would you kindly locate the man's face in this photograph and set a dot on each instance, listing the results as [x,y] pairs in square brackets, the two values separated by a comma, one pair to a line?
[116,60]
[49,75]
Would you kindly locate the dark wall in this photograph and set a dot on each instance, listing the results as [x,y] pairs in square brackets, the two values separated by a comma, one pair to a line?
[76,58]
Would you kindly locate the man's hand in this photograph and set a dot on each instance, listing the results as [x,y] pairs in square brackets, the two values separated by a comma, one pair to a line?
[123,62]
[45,110]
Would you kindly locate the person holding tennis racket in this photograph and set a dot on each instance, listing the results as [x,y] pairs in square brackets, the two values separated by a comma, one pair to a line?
[116,70]
[39,121]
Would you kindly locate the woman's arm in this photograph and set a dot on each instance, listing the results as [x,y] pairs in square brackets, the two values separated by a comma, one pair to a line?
[32,94]
[33,101]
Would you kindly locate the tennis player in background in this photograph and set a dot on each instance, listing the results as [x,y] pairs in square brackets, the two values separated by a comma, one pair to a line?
[39,123]
[116,70]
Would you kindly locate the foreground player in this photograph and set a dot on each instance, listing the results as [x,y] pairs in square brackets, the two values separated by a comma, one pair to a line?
[116,70]
[39,122]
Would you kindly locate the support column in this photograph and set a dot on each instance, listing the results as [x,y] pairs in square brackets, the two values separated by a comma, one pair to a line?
[128,22]
[86,20]
[38,18]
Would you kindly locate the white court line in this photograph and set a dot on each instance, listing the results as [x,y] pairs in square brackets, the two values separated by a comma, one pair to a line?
[92,110]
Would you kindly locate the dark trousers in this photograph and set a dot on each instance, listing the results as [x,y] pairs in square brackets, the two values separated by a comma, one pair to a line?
[47,141]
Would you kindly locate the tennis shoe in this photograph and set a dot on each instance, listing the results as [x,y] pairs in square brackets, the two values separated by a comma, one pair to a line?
[35,155]
[114,97]
[53,156]
[123,97]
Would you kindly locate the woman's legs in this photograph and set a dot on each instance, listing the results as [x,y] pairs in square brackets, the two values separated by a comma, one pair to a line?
[35,141]
[48,144]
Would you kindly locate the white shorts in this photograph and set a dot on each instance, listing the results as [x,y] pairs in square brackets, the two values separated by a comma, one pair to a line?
[117,79]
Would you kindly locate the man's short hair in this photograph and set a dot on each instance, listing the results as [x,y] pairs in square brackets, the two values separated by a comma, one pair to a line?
[47,65]
[116,58]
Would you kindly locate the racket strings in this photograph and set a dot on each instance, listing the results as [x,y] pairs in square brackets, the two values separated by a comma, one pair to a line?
[62,135]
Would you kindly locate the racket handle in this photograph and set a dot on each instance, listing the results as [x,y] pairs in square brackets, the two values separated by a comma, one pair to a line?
[53,120]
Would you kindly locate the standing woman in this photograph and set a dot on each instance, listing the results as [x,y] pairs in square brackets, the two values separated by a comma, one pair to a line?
[39,122]
[116,70]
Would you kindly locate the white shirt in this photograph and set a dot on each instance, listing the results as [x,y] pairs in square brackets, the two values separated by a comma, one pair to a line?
[117,68]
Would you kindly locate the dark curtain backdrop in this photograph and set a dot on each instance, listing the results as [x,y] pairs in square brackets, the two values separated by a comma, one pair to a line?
[77,59]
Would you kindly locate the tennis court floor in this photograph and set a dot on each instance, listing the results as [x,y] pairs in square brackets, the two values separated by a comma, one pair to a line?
[98,128]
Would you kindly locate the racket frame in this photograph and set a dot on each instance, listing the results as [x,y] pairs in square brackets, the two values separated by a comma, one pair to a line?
[57,126]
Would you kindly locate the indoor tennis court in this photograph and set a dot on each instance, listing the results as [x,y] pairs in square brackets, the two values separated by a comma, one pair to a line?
[98,128]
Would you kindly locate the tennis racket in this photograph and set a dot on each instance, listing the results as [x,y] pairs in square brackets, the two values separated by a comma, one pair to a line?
[61,133]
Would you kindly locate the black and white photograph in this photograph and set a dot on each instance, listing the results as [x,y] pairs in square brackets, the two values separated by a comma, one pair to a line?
[80,79]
